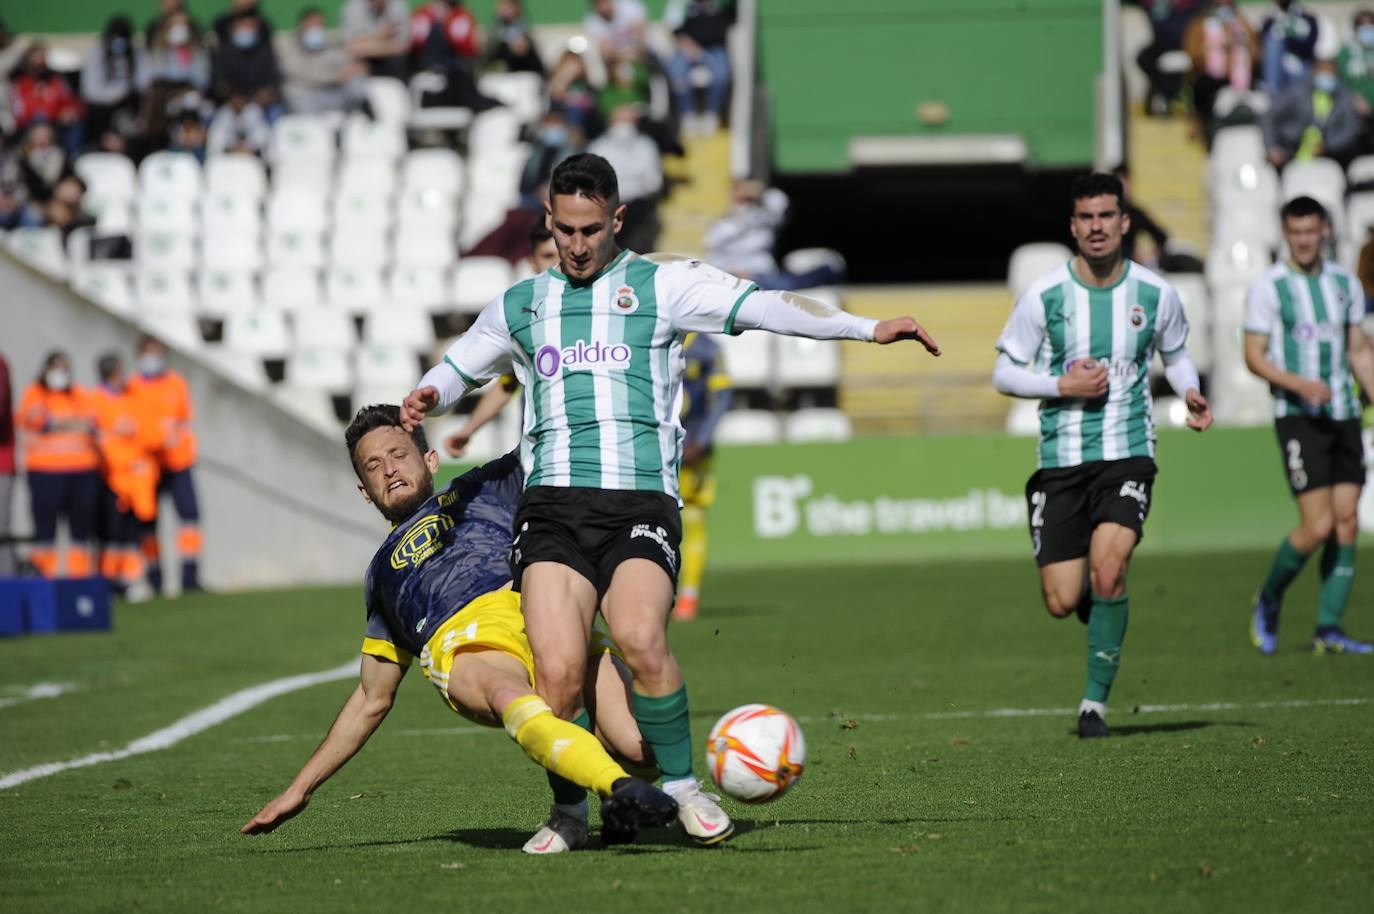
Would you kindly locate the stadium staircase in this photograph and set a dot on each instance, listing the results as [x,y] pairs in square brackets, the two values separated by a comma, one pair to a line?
[1169,175]
[700,183]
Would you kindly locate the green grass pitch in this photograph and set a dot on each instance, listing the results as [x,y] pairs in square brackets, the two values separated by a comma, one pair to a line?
[1260,805]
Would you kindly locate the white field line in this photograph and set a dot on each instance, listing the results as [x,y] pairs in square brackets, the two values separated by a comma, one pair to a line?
[196,722]
[994,713]
[21,694]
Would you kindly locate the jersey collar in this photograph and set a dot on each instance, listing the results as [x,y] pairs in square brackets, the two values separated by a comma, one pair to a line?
[1124,273]
[558,274]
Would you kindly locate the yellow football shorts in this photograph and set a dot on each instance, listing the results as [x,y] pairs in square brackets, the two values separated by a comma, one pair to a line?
[698,485]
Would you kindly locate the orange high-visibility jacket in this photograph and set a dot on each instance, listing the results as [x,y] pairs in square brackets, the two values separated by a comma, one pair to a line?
[58,430]
[128,440]
[167,400]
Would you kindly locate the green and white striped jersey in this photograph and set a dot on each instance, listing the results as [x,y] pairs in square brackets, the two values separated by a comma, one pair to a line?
[1058,320]
[1306,318]
[601,363]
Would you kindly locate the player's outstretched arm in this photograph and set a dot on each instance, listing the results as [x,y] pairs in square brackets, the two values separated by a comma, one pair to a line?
[359,718]
[470,361]
[798,315]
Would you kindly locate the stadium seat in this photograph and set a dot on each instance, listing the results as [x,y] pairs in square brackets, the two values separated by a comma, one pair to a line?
[112,217]
[1322,179]
[495,174]
[1030,261]
[817,425]
[163,290]
[159,211]
[419,286]
[40,248]
[359,245]
[244,368]
[108,176]
[749,359]
[1237,261]
[395,367]
[320,327]
[1245,219]
[427,209]
[303,137]
[177,328]
[313,408]
[262,332]
[319,368]
[482,212]
[1359,215]
[522,92]
[354,289]
[1197,305]
[1360,172]
[296,208]
[237,174]
[493,129]
[174,174]
[389,99]
[107,285]
[364,138]
[305,176]
[804,260]
[377,176]
[433,170]
[1236,146]
[225,212]
[165,249]
[291,288]
[749,426]
[238,250]
[424,248]
[361,207]
[1023,418]
[399,325]
[225,290]
[478,280]
[1249,183]
[296,247]
[1229,99]
[805,363]
[434,118]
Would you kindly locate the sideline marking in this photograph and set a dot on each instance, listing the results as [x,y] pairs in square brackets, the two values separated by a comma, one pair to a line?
[23,694]
[994,713]
[197,721]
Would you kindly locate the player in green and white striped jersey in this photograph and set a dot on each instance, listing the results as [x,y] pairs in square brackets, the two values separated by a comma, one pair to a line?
[1081,339]
[597,344]
[1303,336]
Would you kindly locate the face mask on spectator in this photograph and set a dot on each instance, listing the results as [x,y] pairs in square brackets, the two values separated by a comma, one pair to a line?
[1224,13]
[1365,35]
[553,135]
[151,364]
[47,162]
[245,38]
[312,39]
[57,379]
[622,131]
[1325,82]
[179,34]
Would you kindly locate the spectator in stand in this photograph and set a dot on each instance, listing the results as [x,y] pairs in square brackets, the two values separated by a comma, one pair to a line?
[318,73]
[180,70]
[128,472]
[377,32]
[571,93]
[246,63]
[42,161]
[443,37]
[65,209]
[228,22]
[11,52]
[1318,117]
[1288,44]
[1168,21]
[7,468]
[166,10]
[239,125]
[60,459]
[512,47]
[1223,49]
[1356,60]
[617,29]
[113,76]
[639,168]
[742,241]
[167,399]
[14,190]
[189,136]
[38,94]
[627,83]
[1141,222]
[553,143]
[700,41]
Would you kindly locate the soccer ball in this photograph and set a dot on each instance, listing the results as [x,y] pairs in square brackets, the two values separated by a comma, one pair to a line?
[755,753]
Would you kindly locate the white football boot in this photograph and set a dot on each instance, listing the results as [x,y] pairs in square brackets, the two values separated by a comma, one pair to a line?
[699,812]
[562,831]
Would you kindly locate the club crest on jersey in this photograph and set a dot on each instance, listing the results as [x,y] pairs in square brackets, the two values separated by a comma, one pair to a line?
[421,541]
[1137,318]
[625,300]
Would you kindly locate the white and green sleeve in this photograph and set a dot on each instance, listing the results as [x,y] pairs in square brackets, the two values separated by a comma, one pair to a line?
[480,354]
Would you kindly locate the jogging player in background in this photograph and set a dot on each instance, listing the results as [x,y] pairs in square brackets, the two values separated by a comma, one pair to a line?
[438,590]
[597,345]
[1303,336]
[1080,339]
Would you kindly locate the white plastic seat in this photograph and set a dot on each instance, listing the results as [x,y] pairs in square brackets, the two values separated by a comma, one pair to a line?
[1235,146]
[1237,262]
[291,288]
[236,173]
[1197,306]
[296,208]
[817,425]
[478,280]
[439,117]
[495,128]
[433,169]
[1255,184]
[243,368]
[522,92]
[224,290]
[226,212]
[175,174]
[315,368]
[40,248]
[108,176]
[296,247]
[106,285]
[395,367]
[361,245]
[1360,216]
[163,290]
[389,99]
[807,363]
[354,289]
[303,137]
[399,325]
[1360,171]
[749,358]
[324,328]
[362,208]
[1246,220]
[426,209]
[179,328]
[364,138]
[1023,418]
[496,173]
[112,217]
[159,211]
[1030,261]
[78,249]
[748,426]
[481,214]
[804,260]
[417,286]
[237,250]
[165,250]
[262,332]
[305,176]
[423,248]
[313,408]
[375,176]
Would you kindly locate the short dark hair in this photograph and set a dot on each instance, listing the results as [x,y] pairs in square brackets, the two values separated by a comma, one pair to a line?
[371,418]
[108,365]
[1299,207]
[585,173]
[1096,184]
[311,10]
[539,233]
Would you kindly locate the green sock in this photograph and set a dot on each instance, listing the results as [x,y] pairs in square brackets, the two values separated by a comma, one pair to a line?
[1106,631]
[1288,561]
[1338,576]
[664,724]
[565,792]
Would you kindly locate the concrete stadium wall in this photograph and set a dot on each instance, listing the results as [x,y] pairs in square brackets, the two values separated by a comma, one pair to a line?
[278,499]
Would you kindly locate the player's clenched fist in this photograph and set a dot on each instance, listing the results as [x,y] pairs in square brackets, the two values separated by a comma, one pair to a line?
[417,405]
[1085,380]
[1199,411]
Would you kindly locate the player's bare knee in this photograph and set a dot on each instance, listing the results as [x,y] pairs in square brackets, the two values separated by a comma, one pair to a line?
[561,691]
[1109,578]
[1319,527]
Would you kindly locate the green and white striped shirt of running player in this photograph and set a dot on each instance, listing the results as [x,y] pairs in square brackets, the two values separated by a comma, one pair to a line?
[601,362]
[1307,318]
[1058,320]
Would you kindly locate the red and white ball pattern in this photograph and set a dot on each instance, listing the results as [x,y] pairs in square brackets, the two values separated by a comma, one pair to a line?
[755,753]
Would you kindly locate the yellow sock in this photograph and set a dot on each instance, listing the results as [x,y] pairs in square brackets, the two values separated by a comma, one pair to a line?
[562,747]
[693,551]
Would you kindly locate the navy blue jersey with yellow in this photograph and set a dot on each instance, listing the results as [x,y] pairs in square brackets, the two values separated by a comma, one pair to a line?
[705,388]
[453,549]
